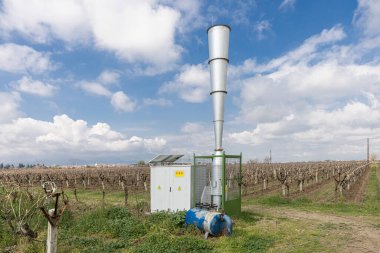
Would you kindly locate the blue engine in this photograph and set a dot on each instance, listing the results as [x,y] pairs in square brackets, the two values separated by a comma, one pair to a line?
[209,222]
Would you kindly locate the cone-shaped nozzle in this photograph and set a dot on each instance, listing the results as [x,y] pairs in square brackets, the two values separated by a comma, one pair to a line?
[218,41]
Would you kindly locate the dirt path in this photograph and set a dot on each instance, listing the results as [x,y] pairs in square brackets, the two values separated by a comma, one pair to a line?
[365,236]
[357,192]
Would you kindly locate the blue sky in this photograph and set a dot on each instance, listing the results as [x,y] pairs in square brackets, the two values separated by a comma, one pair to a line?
[115,81]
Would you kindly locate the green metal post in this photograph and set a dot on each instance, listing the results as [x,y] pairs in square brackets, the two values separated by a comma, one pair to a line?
[240,176]
[224,181]
[194,183]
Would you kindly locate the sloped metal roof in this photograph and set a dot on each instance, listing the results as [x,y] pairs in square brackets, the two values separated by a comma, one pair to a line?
[165,159]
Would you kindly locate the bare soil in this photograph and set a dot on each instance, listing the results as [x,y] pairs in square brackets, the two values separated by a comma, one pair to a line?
[364,236]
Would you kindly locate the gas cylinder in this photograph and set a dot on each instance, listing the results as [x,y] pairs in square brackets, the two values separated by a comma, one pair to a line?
[209,221]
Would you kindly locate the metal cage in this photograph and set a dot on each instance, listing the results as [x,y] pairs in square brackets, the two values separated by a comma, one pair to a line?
[231,182]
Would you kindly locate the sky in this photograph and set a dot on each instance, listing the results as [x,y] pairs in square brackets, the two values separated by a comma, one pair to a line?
[119,81]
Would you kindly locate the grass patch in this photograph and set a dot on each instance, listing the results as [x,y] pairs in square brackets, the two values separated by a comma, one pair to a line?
[113,229]
[373,190]
[248,243]
[162,242]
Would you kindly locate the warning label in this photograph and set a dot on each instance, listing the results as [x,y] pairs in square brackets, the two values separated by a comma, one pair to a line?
[179,173]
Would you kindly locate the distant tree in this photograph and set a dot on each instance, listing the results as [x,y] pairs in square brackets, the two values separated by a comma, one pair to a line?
[373,157]
[21,165]
[141,162]
[1,165]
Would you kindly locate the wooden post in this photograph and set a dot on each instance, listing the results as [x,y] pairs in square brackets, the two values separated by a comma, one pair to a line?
[53,216]
[283,190]
[51,242]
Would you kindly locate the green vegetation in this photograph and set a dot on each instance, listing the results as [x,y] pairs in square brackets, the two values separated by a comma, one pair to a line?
[372,195]
[317,202]
[91,225]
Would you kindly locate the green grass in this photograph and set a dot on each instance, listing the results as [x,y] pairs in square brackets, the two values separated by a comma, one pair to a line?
[372,195]
[116,229]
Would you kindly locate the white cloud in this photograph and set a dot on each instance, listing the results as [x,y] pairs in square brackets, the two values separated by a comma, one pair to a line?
[190,10]
[137,31]
[287,4]
[307,51]
[95,88]
[238,11]
[262,28]
[28,85]
[9,106]
[120,101]
[41,21]
[64,139]
[311,101]
[192,84]
[109,77]
[23,59]
[157,102]
[367,17]
[191,127]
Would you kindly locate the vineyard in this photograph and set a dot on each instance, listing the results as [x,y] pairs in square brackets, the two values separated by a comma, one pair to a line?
[105,209]
[257,178]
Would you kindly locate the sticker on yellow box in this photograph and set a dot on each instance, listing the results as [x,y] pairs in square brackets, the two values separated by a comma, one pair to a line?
[179,173]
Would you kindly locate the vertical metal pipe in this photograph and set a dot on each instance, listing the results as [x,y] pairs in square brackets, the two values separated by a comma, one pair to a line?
[218,41]
[367,150]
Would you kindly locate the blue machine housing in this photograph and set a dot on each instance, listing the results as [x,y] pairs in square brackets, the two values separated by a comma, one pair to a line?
[209,222]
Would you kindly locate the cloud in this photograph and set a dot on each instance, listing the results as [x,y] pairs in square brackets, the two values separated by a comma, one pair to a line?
[307,51]
[192,84]
[95,88]
[311,101]
[28,85]
[23,59]
[190,14]
[286,5]
[191,127]
[64,139]
[136,31]
[9,106]
[262,28]
[238,11]
[120,101]
[162,102]
[367,17]
[41,21]
[109,77]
